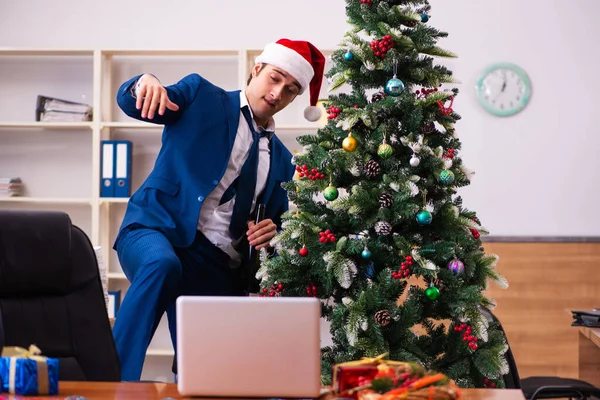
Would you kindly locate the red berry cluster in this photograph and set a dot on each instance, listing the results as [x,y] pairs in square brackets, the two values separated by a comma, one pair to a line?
[474,231]
[467,337]
[333,112]
[312,174]
[367,2]
[311,290]
[423,93]
[381,47]
[488,384]
[446,110]
[450,153]
[404,270]
[272,290]
[326,236]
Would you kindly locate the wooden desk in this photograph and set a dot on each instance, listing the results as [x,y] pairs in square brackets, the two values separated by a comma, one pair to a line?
[589,355]
[159,391]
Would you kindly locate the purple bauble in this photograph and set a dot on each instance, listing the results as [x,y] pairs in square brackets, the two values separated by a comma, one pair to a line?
[456,267]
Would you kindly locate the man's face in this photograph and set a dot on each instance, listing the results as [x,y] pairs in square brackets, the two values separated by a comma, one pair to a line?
[270,91]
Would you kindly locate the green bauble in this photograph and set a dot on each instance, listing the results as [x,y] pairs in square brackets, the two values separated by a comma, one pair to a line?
[446,177]
[384,150]
[330,193]
[432,293]
[424,217]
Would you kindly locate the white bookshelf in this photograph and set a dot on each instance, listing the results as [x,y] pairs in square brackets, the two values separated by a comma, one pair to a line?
[160,352]
[59,163]
[45,200]
[112,200]
[117,275]
[130,125]
[46,125]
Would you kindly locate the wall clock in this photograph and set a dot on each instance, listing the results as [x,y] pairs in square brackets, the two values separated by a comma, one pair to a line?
[503,89]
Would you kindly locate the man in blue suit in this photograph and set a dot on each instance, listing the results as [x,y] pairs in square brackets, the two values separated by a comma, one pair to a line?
[187,229]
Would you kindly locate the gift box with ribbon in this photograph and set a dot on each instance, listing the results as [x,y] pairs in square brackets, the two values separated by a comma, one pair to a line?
[380,379]
[350,376]
[26,372]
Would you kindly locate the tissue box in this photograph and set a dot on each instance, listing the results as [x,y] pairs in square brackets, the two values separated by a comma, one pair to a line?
[26,372]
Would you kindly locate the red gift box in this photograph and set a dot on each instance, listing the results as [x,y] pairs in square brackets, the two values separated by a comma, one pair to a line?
[350,377]
[354,374]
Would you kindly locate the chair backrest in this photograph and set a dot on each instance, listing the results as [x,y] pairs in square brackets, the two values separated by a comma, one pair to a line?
[512,379]
[51,294]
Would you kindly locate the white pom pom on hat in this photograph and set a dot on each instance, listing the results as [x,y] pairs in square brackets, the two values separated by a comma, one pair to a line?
[304,62]
[312,113]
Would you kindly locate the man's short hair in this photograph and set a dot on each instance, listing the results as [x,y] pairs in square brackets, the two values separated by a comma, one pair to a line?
[262,66]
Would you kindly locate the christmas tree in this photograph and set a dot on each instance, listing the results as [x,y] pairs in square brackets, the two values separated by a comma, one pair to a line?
[377,230]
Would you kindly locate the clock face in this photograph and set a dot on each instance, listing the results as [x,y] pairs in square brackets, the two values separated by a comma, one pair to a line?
[503,89]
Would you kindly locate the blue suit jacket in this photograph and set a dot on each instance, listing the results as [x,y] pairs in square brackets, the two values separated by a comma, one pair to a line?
[196,145]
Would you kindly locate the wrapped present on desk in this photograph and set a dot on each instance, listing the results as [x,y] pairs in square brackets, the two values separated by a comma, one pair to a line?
[348,377]
[25,372]
[380,379]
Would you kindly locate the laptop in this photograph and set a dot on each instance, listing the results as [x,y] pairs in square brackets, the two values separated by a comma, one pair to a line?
[248,346]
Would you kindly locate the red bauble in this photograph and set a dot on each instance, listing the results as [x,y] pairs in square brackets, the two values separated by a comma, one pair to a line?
[303,252]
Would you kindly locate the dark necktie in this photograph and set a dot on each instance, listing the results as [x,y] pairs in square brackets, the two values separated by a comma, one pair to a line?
[244,186]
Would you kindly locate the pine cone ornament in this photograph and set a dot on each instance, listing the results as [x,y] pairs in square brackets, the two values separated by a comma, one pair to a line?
[383,228]
[326,163]
[386,200]
[428,128]
[359,126]
[382,317]
[372,169]
[377,97]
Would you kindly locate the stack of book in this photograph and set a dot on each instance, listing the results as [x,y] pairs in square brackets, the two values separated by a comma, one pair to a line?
[49,109]
[10,187]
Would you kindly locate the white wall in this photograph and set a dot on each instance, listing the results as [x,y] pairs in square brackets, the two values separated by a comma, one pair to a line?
[536,173]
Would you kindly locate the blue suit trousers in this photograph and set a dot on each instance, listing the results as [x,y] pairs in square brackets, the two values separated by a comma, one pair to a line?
[158,273]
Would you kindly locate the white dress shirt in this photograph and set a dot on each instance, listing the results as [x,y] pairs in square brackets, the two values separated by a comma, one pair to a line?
[214,219]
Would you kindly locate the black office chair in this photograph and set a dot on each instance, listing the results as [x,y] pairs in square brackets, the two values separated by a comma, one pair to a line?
[542,387]
[51,294]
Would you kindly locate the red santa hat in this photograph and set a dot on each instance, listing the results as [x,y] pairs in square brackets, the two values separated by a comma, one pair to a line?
[304,62]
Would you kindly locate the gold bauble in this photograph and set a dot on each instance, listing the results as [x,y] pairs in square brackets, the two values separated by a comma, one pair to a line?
[349,144]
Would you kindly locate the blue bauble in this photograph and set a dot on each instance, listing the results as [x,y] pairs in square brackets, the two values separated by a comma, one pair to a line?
[348,56]
[366,254]
[424,17]
[456,267]
[424,217]
[394,87]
